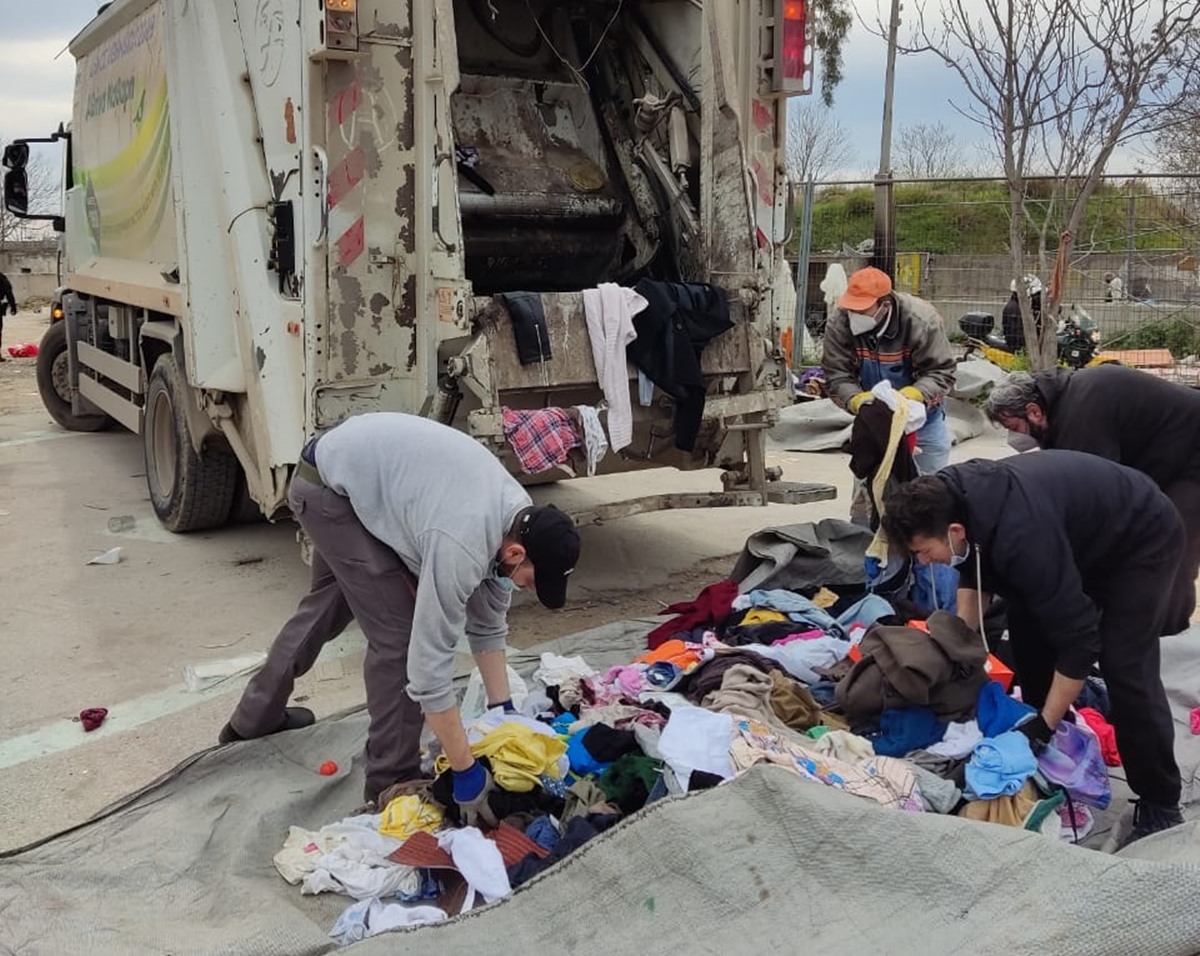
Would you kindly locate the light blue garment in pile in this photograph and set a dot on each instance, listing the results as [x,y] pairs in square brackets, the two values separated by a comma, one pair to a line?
[999,766]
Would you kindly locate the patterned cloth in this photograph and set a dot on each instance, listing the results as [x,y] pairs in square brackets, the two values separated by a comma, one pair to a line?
[887,781]
[541,438]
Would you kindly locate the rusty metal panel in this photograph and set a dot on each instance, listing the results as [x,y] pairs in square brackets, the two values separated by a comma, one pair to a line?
[371,331]
[572,364]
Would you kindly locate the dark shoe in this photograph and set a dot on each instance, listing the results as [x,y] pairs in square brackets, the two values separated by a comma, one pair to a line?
[294,719]
[1150,817]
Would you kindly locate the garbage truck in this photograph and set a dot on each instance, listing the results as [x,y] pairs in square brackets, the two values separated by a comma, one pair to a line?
[277,215]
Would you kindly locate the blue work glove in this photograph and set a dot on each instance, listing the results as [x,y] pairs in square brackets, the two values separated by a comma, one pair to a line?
[471,790]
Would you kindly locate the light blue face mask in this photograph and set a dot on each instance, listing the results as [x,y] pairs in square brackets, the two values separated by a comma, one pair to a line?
[505,580]
[957,559]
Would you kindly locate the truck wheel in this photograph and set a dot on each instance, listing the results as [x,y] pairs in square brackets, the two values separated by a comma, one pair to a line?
[245,510]
[54,383]
[189,492]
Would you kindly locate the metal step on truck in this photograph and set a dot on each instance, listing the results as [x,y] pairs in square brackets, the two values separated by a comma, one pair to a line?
[278,215]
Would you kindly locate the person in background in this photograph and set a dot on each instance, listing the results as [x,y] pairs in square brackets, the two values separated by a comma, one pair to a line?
[1014,325]
[1114,287]
[1084,550]
[877,334]
[1125,416]
[421,535]
[7,302]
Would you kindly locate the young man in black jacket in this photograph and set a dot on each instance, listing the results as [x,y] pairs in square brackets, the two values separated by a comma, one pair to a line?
[7,300]
[1085,552]
[1125,416]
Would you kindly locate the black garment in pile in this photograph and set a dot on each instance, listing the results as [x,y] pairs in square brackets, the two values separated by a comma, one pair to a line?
[503,803]
[672,330]
[1146,423]
[1086,551]
[529,326]
[576,833]
[606,744]
[766,633]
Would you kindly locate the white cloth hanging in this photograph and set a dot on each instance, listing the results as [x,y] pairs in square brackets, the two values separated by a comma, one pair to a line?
[595,444]
[609,311]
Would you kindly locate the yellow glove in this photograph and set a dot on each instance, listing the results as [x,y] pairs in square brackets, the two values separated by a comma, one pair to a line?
[911,393]
[858,400]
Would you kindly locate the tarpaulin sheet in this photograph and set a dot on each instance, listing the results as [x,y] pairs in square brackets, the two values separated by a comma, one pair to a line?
[768,863]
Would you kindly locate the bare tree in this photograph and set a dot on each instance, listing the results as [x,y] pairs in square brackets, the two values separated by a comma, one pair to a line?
[1058,85]
[43,189]
[817,144]
[927,151]
[1177,150]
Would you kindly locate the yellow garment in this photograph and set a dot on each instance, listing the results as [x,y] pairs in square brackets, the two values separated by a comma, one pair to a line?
[824,598]
[911,391]
[1010,811]
[407,815]
[761,615]
[519,756]
[878,548]
[856,401]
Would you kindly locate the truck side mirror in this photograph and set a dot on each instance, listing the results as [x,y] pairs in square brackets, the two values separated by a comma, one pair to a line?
[16,190]
[16,156]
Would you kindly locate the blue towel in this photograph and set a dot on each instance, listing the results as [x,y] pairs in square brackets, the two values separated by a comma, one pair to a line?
[907,729]
[1000,766]
[996,712]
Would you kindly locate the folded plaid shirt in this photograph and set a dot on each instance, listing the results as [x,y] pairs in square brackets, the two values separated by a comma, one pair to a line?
[541,438]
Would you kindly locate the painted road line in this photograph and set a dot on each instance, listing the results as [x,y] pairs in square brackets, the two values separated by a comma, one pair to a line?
[67,735]
[34,438]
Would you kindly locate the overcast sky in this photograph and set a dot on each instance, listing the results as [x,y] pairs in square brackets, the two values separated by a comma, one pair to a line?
[35,88]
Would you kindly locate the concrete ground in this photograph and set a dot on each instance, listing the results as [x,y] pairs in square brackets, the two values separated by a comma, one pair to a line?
[119,636]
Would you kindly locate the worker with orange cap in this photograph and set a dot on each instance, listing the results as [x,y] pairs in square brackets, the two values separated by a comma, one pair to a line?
[877,334]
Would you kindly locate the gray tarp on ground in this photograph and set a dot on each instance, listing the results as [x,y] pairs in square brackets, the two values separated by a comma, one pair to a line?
[768,864]
[822,426]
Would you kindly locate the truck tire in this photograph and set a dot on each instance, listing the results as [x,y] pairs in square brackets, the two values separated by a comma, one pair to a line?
[189,492]
[53,381]
[244,510]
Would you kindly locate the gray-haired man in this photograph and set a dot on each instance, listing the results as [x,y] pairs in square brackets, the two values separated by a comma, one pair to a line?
[1125,416]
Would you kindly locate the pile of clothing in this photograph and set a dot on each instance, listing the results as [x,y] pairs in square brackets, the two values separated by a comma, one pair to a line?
[836,688]
[661,328]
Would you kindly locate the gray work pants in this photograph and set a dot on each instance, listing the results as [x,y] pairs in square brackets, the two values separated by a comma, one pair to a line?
[355,576]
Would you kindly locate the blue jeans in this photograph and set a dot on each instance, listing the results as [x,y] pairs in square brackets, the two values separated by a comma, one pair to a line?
[933,442]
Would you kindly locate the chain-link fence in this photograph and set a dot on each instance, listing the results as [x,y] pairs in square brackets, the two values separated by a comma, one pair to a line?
[952,249]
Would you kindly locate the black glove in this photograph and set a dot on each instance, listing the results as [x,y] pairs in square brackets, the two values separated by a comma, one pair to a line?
[1038,732]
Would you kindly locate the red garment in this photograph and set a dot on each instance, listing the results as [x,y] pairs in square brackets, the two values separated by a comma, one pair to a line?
[541,438]
[1105,733]
[92,718]
[711,607]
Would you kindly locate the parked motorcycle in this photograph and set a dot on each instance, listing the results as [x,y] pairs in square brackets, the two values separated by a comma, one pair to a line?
[1078,340]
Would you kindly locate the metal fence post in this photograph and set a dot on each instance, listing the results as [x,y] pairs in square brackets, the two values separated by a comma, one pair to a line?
[799,328]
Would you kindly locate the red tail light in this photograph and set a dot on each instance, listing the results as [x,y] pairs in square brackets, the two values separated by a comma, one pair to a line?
[791,72]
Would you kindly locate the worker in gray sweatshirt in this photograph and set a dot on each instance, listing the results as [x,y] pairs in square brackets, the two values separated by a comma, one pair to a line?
[421,535]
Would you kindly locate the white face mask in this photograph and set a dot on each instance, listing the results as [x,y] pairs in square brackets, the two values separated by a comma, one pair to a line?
[955,558]
[1020,442]
[861,323]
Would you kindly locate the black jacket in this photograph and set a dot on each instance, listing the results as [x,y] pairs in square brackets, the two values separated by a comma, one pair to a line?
[672,331]
[1014,325]
[1125,416]
[1054,530]
[6,296]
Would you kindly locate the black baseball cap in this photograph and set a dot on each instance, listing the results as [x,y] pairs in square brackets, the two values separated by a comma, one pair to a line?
[552,544]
